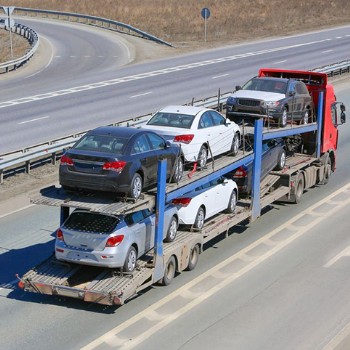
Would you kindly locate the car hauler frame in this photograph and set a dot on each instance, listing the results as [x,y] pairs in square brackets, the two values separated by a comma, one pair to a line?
[113,287]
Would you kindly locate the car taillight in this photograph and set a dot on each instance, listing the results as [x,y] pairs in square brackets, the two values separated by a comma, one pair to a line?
[65,160]
[114,241]
[114,166]
[241,172]
[184,138]
[59,235]
[184,202]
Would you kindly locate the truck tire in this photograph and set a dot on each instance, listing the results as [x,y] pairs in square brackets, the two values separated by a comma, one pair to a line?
[327,171]
[172,230]
[130,260]
[299,189]
[193,258]
[169,271]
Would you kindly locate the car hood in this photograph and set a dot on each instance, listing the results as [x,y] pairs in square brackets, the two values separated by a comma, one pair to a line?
[259,95]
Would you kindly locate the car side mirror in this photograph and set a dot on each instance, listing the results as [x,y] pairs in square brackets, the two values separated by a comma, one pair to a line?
[238,87]
[167,144]
[342,117]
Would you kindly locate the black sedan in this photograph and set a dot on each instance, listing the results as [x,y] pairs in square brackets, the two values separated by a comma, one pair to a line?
[118,160]
[281,99]
[273,158]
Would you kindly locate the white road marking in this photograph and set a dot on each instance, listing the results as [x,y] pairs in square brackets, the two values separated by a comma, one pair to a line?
[145,93]
[338,37]
[72,56]
[118,336]
[344,333]
[157,72]
[278,62]
[327,51]
[220,76]
[345,252]
[33,120]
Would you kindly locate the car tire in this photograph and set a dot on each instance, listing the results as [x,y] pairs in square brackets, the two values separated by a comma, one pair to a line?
[169,271]
[283,118]
[281,163]
[135,186]
[130,260]
[231,207]
[235,144]
[202,157]
[193,258]
[306,116]
[178,170]
[172,230]
[199,220]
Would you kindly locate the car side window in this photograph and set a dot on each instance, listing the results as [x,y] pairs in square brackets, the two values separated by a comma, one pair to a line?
[218,119]
[302,89]
[205,121]
[156,141]
[291,87]
[134,218]
[140,145]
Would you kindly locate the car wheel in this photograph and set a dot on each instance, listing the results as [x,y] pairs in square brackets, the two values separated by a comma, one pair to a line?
[299,189]
[169,272]
[130,260]
[305,119]
[199,220]
[281,163]
[232,203]
[202,157]
[172,230]
[283,119]
[136,186]
[235,144]
[179,169]
[193,258]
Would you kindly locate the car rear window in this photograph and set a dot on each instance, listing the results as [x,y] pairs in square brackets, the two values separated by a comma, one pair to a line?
[91,222]
[174,120]
[102,143]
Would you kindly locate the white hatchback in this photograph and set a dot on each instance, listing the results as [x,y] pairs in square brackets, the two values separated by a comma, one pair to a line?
[206,201]
[202,132]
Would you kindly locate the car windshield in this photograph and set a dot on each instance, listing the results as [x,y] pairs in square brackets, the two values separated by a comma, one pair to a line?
[269,85]
[174,120]
[91,222]
[102,143]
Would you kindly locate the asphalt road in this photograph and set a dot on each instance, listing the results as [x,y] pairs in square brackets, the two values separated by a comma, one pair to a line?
[73,89]
[281,282]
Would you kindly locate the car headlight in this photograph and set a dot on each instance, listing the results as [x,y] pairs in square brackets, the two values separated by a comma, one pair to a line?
[270,104]
[231,100]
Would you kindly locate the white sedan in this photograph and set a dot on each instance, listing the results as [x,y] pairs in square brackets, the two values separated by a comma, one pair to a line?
[202,132]
[206,201]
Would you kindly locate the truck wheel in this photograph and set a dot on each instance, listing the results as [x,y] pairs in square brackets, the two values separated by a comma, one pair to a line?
[193,259]
[232,203]
[130,260]
[281,160]
[136,186]
[202,157]
[169,272]
[172,230]
[327,171]
[299,189]
[235,144]
[199,220]
[283,119]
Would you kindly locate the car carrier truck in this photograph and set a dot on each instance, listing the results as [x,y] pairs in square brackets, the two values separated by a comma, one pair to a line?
[310,161]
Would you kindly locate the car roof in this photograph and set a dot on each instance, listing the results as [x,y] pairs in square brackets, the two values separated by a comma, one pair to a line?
[275,79]
[189,110]
[121,131]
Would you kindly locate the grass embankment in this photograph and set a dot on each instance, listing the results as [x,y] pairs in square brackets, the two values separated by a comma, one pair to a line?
[19,46]
[180,22]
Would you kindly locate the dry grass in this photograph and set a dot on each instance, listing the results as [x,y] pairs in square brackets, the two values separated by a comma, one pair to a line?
[180,22]
[19,46]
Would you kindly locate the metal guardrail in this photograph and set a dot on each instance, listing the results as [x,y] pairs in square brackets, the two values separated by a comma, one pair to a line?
[33,39]
[52,149]
[90,20]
